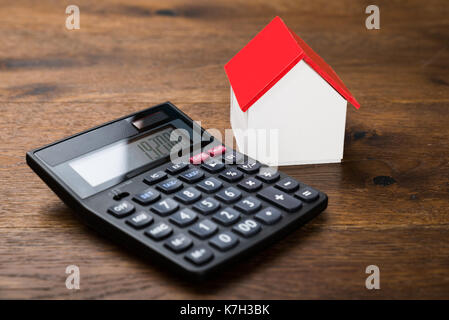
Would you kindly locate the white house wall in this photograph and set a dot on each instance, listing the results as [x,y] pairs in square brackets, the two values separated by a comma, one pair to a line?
[309,114]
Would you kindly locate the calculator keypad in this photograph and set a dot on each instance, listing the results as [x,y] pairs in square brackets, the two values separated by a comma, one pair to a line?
[155,177]
[227,216]
[248,205]
[192,175]
[210,185]
[217,203]
[224,241]
[204,229]
[179,243]
[169,186]
[200,255]
[250,185]
[188,195]
[229,195]
[165,207]
[183,217]
[280,199]
[307,194]
[147,196]
[231,175]
[122,209]
[140,220]
[247,228]
[159,231]
[207,206]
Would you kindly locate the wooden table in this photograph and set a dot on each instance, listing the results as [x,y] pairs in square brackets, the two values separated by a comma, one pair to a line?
[129,55]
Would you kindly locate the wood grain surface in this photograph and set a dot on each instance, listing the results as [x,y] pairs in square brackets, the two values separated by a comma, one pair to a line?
[129,55]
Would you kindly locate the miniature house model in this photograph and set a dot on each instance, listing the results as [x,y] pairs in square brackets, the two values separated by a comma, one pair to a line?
[280,86]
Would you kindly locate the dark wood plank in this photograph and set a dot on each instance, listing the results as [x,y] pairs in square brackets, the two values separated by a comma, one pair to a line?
[129,55]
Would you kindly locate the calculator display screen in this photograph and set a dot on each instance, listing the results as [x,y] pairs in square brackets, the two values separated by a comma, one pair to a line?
[117,159]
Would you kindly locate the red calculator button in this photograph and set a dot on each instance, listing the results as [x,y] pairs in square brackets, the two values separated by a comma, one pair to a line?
[215,151]
[199,158]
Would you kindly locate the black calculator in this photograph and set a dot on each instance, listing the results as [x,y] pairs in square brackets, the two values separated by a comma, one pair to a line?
[158,183]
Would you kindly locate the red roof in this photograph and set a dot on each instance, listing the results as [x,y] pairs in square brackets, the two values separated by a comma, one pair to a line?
[268,57]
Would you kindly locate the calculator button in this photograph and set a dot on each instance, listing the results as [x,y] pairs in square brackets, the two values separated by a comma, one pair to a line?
[307,194]
[140,220]
[121,209]
[250,167]
[250,185]
[155,177]
[192,175]
[169,186]
[207,206]
[179,243]
[280,199]
[159,231]
[269,215]
[209,185]
[233,157]
[199,255]
[176,168]
[165,207]
[183,217]
[199,158]
[226,216]
[224,241]
[188,195]
[287,185]
[247,228]
[213,166]
[248,205]
[231,175]
[147,196]
[268,175]
[229,195]
[204,229]
[216,151]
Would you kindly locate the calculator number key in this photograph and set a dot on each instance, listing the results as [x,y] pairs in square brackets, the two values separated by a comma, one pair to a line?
[207,206]
[204,229]
[159,231]
[224,241]
[169,186]
[247,228]
[139,220]
[183,217]
[248,205]
[179,243]
[269,215]
[250,185]
[147,196]
[165,207]
[121,209]
[280,199]
[192,175]
[209,185]
[231,175]
[199,255]
[287,185]
[155,177]
[226,216]
[307,194]
[187,196]
[229,195]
